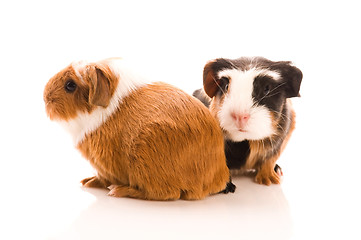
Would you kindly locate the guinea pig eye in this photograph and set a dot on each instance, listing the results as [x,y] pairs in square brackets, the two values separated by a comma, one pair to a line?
[266,89]
[70,86]
[225,83]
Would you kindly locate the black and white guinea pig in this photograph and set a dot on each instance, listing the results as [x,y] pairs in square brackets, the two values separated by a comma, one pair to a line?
[250,99]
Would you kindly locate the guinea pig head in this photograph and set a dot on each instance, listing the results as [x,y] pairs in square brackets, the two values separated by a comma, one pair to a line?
[79,88]
[249,94]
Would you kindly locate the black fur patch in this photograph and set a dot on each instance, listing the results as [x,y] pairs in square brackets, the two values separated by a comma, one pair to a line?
[236,153]
[269,93]
[291,76]
[230,188]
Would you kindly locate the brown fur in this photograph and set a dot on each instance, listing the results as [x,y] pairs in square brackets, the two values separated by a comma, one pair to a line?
[266,174]
[102,84]
[161,144]
[151,154]
[95,89]
[62,106]
[209,82]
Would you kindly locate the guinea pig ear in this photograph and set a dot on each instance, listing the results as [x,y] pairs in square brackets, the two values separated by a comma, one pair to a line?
[293,77]
[210,82]
[100,84]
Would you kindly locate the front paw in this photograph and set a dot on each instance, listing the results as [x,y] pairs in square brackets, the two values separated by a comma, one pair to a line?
[267,177]
[93,182]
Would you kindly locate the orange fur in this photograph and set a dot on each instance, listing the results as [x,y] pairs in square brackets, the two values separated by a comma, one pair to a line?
[102,84]
[95,89]
[65,106]
[160,143]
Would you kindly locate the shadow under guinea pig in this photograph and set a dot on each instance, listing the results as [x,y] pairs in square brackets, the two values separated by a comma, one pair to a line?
[253,212]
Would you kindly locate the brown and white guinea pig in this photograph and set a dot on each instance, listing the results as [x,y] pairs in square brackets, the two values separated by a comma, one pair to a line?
[145,140]
[250,99]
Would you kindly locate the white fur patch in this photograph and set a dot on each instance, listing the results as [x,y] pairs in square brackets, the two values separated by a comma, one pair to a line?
[79,68]
[238,100]
[86,123]
[253,71]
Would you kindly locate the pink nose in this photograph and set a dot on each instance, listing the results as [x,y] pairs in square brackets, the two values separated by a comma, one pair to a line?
[241,119]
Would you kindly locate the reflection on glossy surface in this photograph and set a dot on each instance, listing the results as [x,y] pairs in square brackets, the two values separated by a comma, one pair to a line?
[239,214]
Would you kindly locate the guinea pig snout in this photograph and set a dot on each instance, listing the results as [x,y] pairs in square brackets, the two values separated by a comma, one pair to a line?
[48,98]
[240,120]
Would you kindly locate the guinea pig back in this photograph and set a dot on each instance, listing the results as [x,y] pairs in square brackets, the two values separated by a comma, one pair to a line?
[145,140]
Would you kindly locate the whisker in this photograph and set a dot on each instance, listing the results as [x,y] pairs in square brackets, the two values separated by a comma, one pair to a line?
[283,115]
[272,147]
[278,87]
[267,95]
[232,64]
[264,147]
[279,126]
[218,86]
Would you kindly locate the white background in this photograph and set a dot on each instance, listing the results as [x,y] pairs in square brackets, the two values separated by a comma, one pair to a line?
[171,41]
